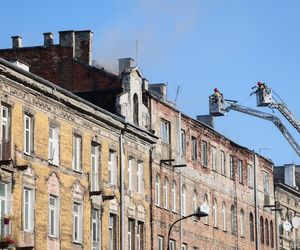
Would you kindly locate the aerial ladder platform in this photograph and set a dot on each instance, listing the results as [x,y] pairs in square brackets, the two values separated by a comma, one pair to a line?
[265,98]
[218,106]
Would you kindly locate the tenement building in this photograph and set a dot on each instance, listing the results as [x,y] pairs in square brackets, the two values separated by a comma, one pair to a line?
[287,200]
[63,169]
[191,163]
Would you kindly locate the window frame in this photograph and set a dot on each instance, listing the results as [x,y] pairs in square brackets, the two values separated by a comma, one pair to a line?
[240,171]
[77,227]
[55,209]
[53,146]
[140,177]
[214,158]
[28,134]
[77,153]
[223,162]
[165,128]
[157,190]
[173,196]
[112,168]
[194,148]
[166,193]
[95,229]
[28,214]
[94,167]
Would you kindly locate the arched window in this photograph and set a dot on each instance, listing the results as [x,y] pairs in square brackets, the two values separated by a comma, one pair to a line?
[173,196]
[215,213]
[251,224]
[206,202]
[224,216]
[195,203]
[135,109]
[242,223]
[267,232]
[183,200]
[233,219]
[261,225]
[271,233]
[166,198]
[157,190]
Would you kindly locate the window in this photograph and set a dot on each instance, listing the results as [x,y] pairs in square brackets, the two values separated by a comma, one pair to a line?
[182,142]
[53,217]
[94,166]
[112,232]
[233,220]
[195,202]
[172,245]
[215,213]
[250,176]
[160,242]
[95,229]
[223,163]
[224,216]
[130,173]
[204,153]
[240,170]
[112,168]
[231,162]
[251,225]
[183,200]
[4,205]
[184,246]
[5,133]
[166,191]
[130,234]
[77,222]
[28,134]
[140,177]
[77,152]
[266,183]
[140,236]
[165,131]
[157,190]
[173,196]
[242,223]
[135,109]
[194,148]
[267,232]
[214,158]
[261,225]
[206,202]
[53,146]
[272,233]
[28,210]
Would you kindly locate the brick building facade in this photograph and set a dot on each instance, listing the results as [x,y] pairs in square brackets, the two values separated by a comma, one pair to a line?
[191,163]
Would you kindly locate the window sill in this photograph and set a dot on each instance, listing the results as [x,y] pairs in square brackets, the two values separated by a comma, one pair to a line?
[206,224]
[215,227]
[174,211]
[77,171]
[225,231]
[77,243]
[54,238]
[28,155]
[53,165]
[243,237]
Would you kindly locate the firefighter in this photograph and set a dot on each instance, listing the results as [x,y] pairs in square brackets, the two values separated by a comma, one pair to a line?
[217,94]
[261,85]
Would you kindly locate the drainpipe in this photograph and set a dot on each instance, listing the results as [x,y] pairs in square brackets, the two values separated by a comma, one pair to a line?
[122,195]
[180,161]
[256,201]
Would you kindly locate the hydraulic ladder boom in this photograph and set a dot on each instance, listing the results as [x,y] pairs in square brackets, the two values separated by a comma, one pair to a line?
[266,116]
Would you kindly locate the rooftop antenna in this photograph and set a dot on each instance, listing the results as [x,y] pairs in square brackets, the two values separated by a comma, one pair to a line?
[177,92]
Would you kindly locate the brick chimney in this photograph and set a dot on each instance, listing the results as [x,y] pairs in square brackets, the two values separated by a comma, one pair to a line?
[126,63]
[17,42]
[48,39]
[66,38]
[83,46]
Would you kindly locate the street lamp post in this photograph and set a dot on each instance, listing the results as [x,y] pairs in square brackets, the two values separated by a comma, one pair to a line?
[197,214]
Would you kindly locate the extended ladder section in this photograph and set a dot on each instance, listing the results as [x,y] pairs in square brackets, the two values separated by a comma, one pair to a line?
[220,106]
[264,98]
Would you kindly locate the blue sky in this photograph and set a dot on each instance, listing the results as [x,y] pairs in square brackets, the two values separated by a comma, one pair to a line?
[197,44]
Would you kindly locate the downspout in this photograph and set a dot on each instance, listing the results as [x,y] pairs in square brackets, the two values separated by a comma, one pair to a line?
[256,200]
[180,161]
[122,195]
[151,198]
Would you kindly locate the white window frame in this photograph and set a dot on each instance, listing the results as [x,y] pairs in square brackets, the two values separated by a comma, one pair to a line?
[173,196]
[95,230]
[194,148]
[242,223]
[77,153]
[27,134]
[266,183]
[4,206]
[250,176]
[204,146]
[53,145]
[182,142]
[157,190]
[183,200]
[223,162]
[28,210]
[77,222]
[214,158]
[112,168]
[140,177]
[240,171]
[231,164]
[112,227]
[224,226]
[184,246]
[172,244]
[160,243]
[139,236]
[165,131]
[195,206]
[206,202]
[215,212]
[95,152]
[166,193]
[53,215]
[130,172]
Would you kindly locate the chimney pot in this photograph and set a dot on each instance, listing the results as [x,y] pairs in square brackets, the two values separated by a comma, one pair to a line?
[48,39]
[66,38]
[83,46]
[17,42]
